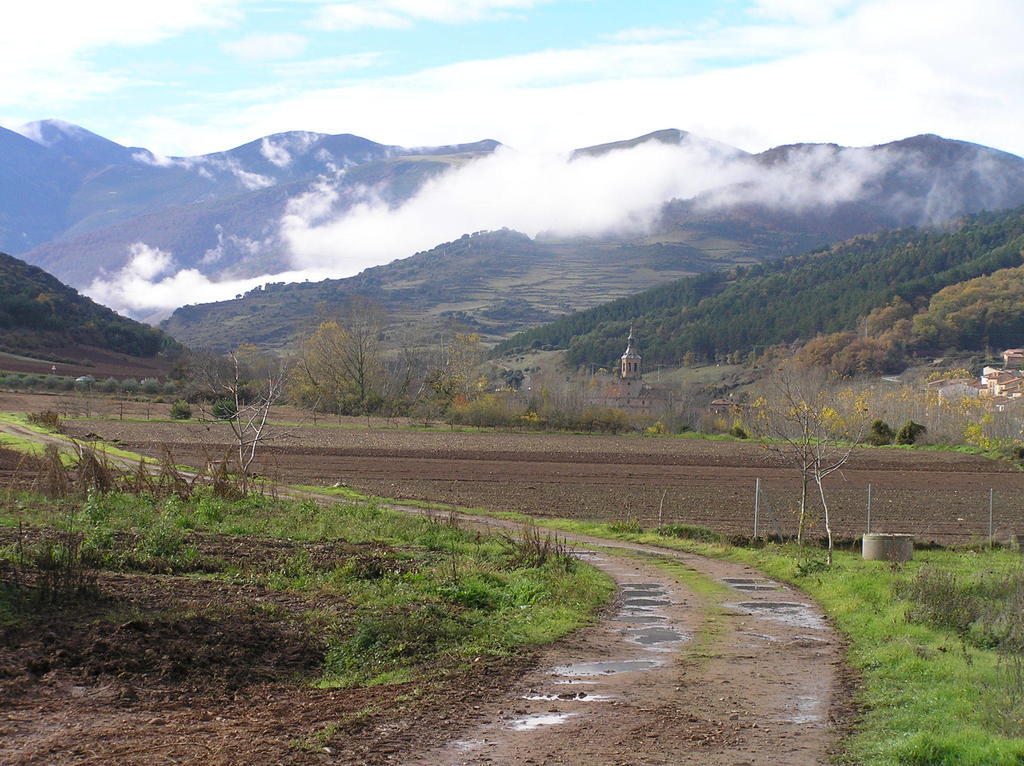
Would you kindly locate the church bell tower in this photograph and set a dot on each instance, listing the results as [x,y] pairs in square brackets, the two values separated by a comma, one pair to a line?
[629,368]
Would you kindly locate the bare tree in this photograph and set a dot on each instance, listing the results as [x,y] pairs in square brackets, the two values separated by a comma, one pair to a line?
[798,421]
[250,383]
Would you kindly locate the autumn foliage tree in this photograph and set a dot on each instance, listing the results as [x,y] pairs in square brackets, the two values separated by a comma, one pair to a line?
[798,419]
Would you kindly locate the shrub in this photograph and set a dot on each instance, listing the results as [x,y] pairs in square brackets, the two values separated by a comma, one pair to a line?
[150,386]
[489,411]
[689,532]
[739,431]
[910,433]
[880,433]
[108,386]
[181,410]
[45,419]
[224,409]
[129,385]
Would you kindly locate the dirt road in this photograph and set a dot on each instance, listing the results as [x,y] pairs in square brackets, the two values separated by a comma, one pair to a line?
[699,662]
[746,672]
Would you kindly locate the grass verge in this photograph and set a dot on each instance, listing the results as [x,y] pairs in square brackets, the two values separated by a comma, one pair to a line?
[930,695]
[933,692]
[419,595]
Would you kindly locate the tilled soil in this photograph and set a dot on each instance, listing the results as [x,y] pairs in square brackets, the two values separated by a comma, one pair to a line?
[935,495]
[163,668]
[171,669]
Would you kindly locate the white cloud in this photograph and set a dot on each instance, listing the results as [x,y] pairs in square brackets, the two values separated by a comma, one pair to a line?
[803,11]
[619,192]
[146,284]
[266,47]
[331,65]
[45,46]
[398,14]
[350,16]
[275,153]
[876,71]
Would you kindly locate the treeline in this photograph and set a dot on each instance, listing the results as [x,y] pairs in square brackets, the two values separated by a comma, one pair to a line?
[828,291]
[48,312]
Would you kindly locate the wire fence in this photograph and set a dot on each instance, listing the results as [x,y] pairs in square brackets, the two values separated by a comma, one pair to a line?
[966,514]
[936,514]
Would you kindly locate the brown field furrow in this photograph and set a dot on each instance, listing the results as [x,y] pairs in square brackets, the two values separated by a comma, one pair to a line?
[937,495]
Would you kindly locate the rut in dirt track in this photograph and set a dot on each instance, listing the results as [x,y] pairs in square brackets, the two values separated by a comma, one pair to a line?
[670,677]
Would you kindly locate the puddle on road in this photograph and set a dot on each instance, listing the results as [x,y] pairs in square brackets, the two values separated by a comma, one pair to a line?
[791,613]
[655,636]
[806,710]
[645,601]
[643,586]
[751,583]
[628,616]
[540,719]
[568,697]
[606,668]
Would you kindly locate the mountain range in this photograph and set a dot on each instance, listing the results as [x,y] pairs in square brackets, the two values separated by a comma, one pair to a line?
[75,203]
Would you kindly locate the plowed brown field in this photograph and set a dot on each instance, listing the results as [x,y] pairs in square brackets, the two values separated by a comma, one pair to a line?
[936,495]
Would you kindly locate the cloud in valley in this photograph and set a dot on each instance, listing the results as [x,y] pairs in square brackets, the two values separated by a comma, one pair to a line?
[149,282]
[335,231]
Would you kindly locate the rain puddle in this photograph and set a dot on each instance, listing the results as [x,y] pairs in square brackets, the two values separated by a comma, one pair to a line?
[604,668]
[751,583]
[629,616]
[655,636]
[789,613]
[645,601]
[643,586]
[806,710]
[567,697]
[540,719]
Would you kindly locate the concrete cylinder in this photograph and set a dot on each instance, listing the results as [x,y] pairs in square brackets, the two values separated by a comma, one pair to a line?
[888,547]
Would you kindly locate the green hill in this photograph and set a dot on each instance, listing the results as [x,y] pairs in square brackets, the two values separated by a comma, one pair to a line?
[495,283]
[39,313]
[796,298]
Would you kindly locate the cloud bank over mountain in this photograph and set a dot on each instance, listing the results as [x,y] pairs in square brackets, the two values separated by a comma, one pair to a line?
[332,230]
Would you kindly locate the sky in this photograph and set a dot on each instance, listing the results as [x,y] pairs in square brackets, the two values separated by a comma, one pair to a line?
[185,77]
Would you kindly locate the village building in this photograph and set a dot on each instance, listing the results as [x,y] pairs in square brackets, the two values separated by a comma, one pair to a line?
[999,387]
[627,390]
[1013,357]
[725,407]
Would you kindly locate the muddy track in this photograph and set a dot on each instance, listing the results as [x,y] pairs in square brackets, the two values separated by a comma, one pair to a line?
[748,673]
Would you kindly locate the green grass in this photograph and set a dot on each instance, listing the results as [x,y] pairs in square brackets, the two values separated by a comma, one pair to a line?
[23,444]
[929,698]
[422,595]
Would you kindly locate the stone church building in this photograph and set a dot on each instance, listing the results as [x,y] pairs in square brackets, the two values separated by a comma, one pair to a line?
[627,390]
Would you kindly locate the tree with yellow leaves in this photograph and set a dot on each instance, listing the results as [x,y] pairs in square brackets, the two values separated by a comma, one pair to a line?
[798,420]
[339,367]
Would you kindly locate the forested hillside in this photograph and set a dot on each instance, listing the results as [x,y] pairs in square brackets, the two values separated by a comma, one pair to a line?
[798,298]
[37,311]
